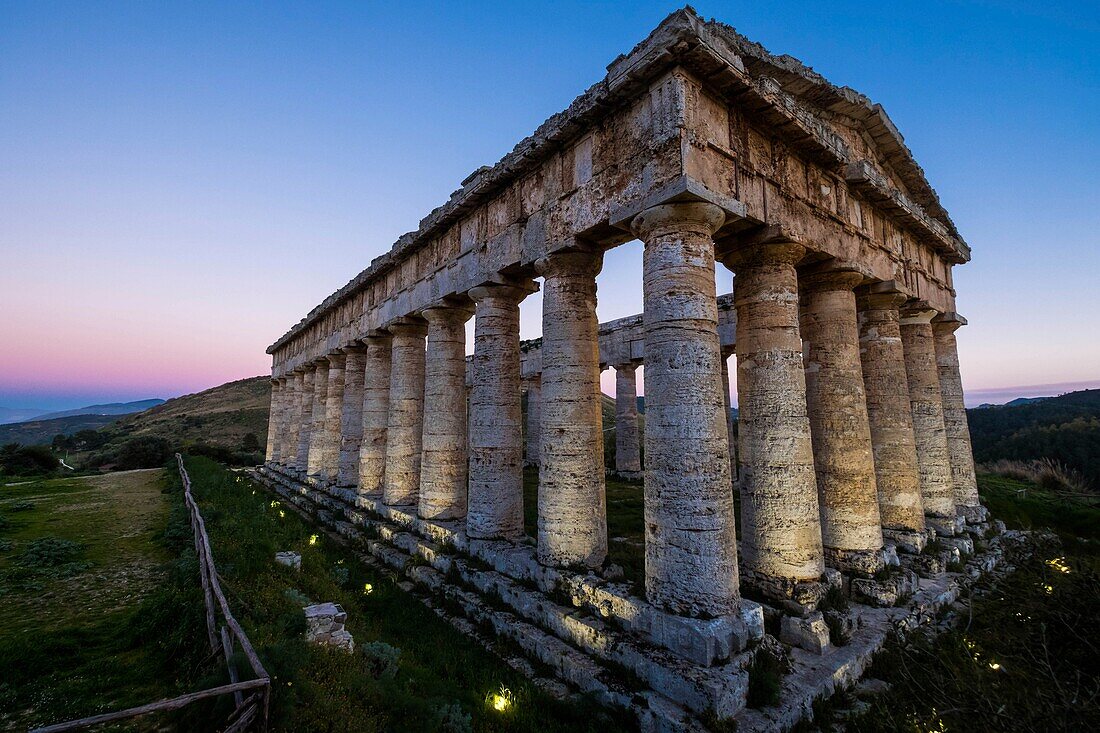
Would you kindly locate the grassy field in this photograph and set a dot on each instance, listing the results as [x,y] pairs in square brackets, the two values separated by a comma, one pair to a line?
[78,558]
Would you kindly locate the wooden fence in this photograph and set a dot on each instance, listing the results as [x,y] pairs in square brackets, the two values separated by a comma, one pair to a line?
[251,698]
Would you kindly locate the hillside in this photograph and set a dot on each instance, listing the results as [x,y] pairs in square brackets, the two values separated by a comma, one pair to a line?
[111,408]
[42,432]
[220,416]
[1064,429]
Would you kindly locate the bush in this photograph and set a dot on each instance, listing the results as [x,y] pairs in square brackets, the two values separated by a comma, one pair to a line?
[381,659]
[451,719]
[27,460]
[765,678]
[145,451]
[49,552]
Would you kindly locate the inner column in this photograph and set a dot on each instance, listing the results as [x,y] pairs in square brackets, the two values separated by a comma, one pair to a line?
[691,541]
[405,429]
[782,554]
[851,530]
[291,417]
[495,508]
[317,435]
[304,419]
[351,417]
[926,404]
[731,430]
[628,456]
[376,413]
[534,419]
[443,466]
[274,413]
[959,451]
[334,406]
[882,359]
[572,508]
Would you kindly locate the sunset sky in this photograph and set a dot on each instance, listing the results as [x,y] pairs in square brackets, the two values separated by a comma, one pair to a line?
[180,183]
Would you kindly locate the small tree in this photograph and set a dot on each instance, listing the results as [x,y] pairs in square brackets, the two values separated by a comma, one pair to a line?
[145,451]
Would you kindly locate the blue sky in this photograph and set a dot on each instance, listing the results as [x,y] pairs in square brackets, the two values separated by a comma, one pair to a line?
[179,183]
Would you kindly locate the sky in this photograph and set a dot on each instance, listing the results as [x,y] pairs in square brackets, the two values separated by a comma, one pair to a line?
[182,182]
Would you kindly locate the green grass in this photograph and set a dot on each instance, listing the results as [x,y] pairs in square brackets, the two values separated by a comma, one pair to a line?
[322,690]
[80,566]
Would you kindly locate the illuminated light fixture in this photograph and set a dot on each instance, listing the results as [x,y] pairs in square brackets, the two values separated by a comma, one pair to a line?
[1059,564]
[501,700]
[994,665]
[367,589]
[282,513]
[313,539]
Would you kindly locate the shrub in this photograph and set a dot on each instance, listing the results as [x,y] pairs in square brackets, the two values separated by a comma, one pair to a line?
[451,719]
[27,460]
[381,659]
[20,506]
[765,678]
[49,552]
[145,451]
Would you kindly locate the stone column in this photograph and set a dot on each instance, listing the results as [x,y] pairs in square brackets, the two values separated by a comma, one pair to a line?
[628,458]
[305,419]
[691,541]
[572,507]
[293,423]
[274,410]
[405,429]
[891,420]
[376,413]
[443,466]
[334,407]
[851,530]
[351,417]
[496,437]
[780,519]
[534,419]
[318,436]
[926,404]
[727,400]
[959,451]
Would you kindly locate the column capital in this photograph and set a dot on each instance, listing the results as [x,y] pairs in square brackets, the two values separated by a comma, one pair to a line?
[513,291]
[631,365]
[353,348]
[408,326]
[832,275]
[448,312]
[698,216]
[948,322]
[337,359]
[917,312]
[574,263]
[763,253]
[377,337]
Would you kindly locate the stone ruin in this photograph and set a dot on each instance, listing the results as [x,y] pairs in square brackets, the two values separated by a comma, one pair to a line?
[325,626]
[852,449]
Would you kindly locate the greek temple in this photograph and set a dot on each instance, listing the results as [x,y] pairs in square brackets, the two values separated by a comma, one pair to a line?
[850,451]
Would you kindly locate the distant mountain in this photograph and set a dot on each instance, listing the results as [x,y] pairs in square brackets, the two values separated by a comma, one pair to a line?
[1064,429]
[42,432]
[112,408]
[18,414]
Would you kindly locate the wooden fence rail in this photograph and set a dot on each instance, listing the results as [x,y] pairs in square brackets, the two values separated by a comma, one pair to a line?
[250,710]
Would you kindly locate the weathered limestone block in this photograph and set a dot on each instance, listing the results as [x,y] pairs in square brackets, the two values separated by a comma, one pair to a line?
[325,626]
[405,429]
[376,412]
[851,531]
[628,458]
[572,508]
[691,541]
[805,632]
[959,451]
[926,402]
[443,465]
[890,416]
[290,559]
[780,521]
[496,435]
[334,407]
[351,417]
[293,418]
[533,387]
[317,434]
[305,419]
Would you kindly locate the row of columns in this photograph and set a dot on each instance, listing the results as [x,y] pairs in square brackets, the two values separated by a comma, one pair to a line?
[850,418]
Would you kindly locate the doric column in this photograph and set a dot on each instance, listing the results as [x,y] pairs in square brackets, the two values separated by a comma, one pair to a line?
[533,386]
[780,520]
[691,540]
[731,430]
[926,404]
[851,530]
[304,419]
[890,417]
[274,412]
[405,429]
[376,413]
[959,451]
[496,437]
[572,508]
[334,407]
[443,466]
[287,407]
[318,435]
[351,417]
[628,458]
